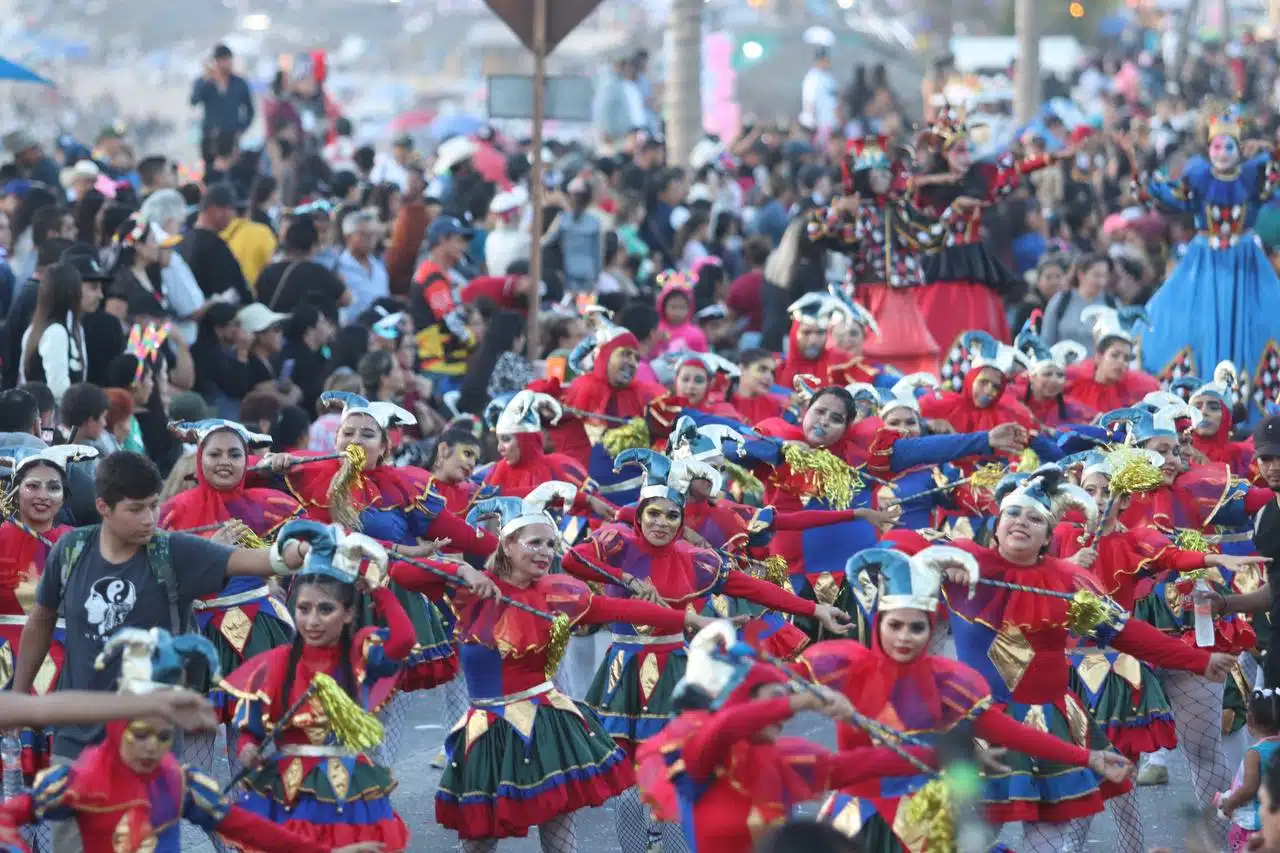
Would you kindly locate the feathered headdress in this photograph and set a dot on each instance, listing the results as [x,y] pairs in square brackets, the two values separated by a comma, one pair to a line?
[1229,122]
[947,129]
[861,154]
[517,513]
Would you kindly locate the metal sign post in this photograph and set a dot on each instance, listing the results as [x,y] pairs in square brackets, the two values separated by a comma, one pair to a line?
[540,26]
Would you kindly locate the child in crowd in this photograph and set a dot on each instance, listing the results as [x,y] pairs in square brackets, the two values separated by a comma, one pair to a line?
[1240,804]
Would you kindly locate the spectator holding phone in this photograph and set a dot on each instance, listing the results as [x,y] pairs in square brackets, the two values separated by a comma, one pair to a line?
[265,326]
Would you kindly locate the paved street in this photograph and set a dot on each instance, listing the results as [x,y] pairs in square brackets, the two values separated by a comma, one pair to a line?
[414,799]
[1160,806]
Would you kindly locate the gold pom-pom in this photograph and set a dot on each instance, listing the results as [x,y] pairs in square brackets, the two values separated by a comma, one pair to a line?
[1191,540]
[830,478]
[1028,461]
[1133,472]
[988,476]
[342,510]
[560,633]
[748,484]
[931,807]
[1087,611]
[633,434]
[775,569]
[351,724]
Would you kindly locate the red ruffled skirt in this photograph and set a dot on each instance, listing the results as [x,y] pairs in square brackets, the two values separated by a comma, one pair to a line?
[904,340]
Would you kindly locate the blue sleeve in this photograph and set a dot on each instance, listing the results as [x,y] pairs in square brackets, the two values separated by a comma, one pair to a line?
[1046,448]
[1232,512]
[49,794]
[936,449]
[754,451]
[198,91]
[886,378]
[377,664]
[204,804]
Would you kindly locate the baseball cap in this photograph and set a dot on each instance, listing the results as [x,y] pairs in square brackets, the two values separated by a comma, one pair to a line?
[256,317]
[80,256]
[1266,436]
[446,226]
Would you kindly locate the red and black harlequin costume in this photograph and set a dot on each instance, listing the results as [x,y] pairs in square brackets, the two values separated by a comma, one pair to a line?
[966,284]
[707,772]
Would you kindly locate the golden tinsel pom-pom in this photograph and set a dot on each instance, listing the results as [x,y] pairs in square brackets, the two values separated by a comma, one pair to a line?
[746,481]
[560,632]
[1133,472]
[832,478]
[931,807]
[1191,540]
[1028,461]
[775,569]
[631,435]
[987,476]
[342,510]
[351,724]
[1087,611]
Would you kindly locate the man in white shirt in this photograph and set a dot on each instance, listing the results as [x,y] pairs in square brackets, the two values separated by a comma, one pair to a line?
[395,169]
[820,97]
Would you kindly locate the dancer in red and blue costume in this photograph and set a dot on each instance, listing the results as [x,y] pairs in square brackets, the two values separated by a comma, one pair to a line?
[129,794]
[1042,387]
[605,364]
[816,558]
[632,691]
[394,505]
[452,461]
[966,284]
[723,771]
[523,464]
[39,482]
[754,394]
[1216,402]
[698,383]
[244,619]
[1017,640]
[811,347]
[312,784]
[984,400]
[1105,381]
[899,684]
[524,754]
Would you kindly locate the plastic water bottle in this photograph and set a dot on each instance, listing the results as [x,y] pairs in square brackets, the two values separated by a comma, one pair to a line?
[1203,610]
[11,755]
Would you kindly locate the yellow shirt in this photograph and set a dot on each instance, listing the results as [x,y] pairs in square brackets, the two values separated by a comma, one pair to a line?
[253,244]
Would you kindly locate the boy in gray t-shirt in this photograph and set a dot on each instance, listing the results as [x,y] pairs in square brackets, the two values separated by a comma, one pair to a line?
[124,574]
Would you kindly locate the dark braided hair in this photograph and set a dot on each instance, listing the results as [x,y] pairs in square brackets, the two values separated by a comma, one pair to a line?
[1264,709]
[345,595]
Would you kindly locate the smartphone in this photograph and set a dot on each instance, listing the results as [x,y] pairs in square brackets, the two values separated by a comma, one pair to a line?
[286,371]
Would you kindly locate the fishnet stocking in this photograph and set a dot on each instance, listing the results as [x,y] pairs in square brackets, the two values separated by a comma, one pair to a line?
[1124,809]
[478,845]
[558,835]
[673,839]
[39,838]
[632,821]
[197,752]
[456,700]
[1252,671]
[1197,716]
[1041,837]
[394,716]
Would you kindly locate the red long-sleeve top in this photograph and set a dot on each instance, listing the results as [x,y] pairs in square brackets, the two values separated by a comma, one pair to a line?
[1129,562]
[721,755]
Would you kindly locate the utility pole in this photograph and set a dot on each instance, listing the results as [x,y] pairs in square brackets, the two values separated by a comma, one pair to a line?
[1186,27]
[1026,22]
[683,91]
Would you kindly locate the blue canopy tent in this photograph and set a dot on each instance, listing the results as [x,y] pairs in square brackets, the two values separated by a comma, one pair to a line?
[13,72]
